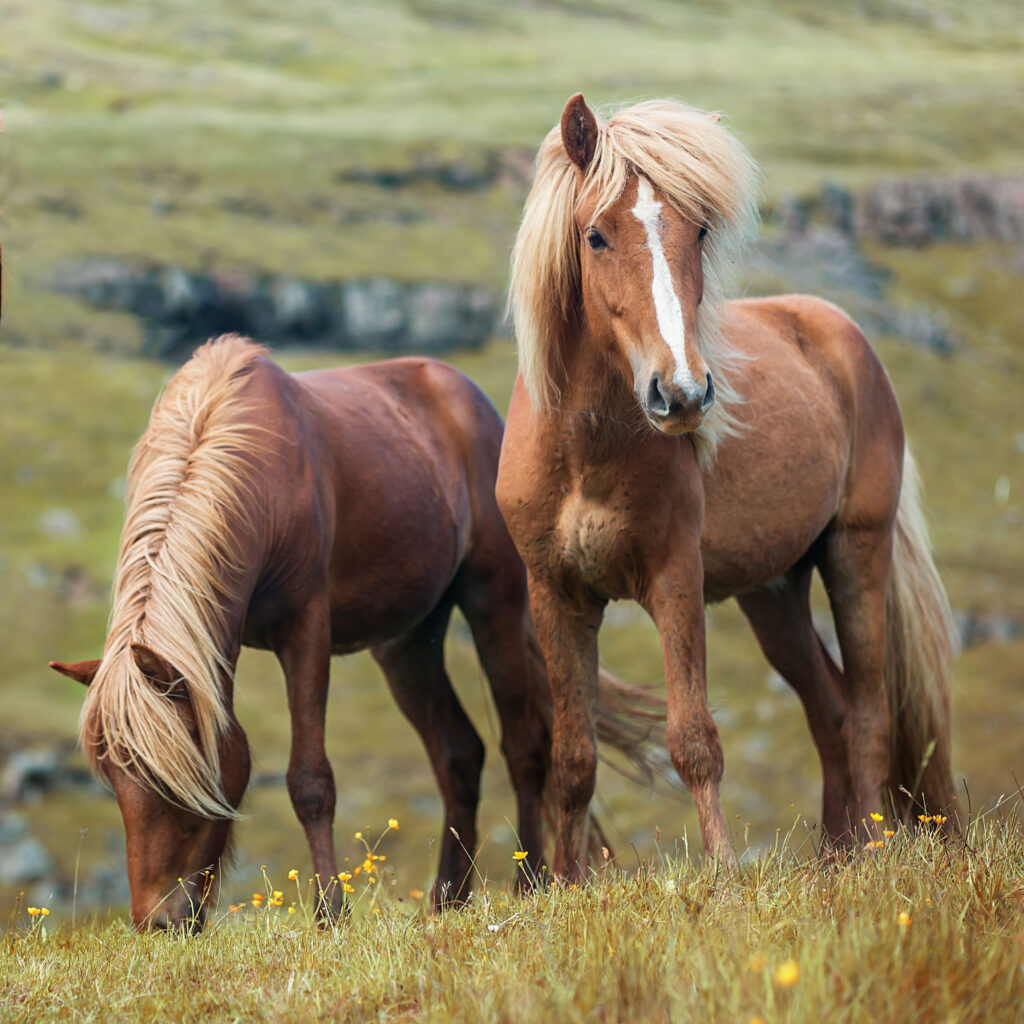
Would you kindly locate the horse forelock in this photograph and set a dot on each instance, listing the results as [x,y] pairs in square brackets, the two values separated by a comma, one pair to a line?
[191,496]
[703,171]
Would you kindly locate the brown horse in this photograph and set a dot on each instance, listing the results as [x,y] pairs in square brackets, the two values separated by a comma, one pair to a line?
[312,514]
[669,448]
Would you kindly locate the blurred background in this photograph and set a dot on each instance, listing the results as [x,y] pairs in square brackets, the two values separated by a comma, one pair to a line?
[344,180]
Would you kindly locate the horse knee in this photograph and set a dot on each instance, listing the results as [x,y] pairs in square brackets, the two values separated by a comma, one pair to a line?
[312,792]
[574,770]
[696,751]
[866,734]
[461,767]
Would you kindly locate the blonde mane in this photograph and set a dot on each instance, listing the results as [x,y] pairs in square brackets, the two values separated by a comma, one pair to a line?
[192,485]
[704,172]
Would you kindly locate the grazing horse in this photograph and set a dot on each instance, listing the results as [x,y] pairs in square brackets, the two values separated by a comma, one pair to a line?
[311,515]
[667,447]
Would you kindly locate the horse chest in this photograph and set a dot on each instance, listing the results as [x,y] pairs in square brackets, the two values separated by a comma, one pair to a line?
[590,538]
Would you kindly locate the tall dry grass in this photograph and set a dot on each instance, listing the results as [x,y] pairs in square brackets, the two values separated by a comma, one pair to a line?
[915,929]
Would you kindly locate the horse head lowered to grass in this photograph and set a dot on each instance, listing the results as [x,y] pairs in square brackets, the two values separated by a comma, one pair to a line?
[666,446]
[311,514]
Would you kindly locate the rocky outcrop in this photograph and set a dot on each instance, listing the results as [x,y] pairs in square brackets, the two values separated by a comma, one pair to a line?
[922,211]
[817,244]
[472,171]
[915,211]
[23,858]
[824,260]
[181,308]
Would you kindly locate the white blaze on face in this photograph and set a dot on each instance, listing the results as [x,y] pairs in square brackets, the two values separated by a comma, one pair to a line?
[666,301]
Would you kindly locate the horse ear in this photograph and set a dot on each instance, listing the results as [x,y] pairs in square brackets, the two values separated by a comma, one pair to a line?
[715,117]
[81,671]
[154,666]
[579,131]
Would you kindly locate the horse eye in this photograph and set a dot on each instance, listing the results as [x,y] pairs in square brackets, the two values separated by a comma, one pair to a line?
[595,240]
[703,233]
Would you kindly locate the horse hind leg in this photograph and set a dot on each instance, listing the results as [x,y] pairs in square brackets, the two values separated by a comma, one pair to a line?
[492,595]
[855,567]
[414,668]
[781,620]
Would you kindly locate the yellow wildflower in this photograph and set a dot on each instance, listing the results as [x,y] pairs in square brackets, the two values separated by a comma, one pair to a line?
[903,919]
[347,887]
[291,910]
[293,875]
[875,816]
[787,974]
[521,854]
[278,894]
[416,894]
[924,817]
[34,911]
[889,833]
[344,876]
[875,844]
[393,823]
[359,835]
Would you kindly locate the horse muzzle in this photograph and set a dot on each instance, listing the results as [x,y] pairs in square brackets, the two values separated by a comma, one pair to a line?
[671,409]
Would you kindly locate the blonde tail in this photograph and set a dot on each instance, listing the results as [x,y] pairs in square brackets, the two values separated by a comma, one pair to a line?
[921,644]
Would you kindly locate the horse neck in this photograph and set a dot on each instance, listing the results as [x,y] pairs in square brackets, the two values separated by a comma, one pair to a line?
[198,600]
[595,397]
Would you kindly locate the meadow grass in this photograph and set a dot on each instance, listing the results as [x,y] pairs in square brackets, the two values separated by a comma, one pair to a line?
[918,929]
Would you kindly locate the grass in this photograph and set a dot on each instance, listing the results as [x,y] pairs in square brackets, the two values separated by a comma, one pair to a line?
[919,930]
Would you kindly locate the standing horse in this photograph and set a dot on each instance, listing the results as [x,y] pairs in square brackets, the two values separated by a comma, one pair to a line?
[312,514]
[669,448]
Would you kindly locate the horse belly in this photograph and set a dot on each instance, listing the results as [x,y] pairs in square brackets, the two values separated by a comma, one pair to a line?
[756,529]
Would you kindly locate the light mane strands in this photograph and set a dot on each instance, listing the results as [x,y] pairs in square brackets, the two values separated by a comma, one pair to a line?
[703,171]
[191,488]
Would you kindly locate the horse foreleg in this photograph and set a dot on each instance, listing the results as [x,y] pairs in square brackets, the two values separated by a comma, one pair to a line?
[305,656]
[677,607]
[568,638]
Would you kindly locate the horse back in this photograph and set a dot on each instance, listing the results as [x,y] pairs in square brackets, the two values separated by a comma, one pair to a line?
[404,453]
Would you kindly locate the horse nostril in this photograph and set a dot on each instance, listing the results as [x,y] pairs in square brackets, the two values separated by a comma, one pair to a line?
[709,395]
[656,401]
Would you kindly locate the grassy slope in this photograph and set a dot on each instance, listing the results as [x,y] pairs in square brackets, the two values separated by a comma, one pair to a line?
[214,135]
[917,932]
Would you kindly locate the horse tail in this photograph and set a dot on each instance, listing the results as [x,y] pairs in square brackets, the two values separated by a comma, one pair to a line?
[626,715]
[921,643]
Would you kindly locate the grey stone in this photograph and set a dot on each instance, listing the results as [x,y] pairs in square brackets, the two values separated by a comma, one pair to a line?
[29,771]
[24,860]
[374,312]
